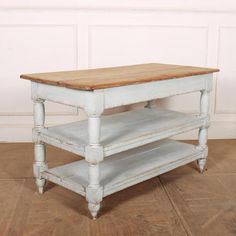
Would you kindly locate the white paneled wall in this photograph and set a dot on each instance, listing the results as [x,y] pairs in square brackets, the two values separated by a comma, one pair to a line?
[42,36]
[226,84]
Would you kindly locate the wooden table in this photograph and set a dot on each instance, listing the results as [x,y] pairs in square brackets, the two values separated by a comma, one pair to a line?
[123,149]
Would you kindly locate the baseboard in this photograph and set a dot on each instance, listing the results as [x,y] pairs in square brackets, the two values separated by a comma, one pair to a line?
[217,130]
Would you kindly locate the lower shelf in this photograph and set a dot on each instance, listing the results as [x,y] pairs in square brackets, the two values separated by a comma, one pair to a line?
[126,169]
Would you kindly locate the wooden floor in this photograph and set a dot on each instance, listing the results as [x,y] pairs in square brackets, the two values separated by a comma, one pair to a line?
[181,202]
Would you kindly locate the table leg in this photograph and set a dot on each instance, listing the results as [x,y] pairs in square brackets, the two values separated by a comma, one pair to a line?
[203,131]
[94,154]
[39,147]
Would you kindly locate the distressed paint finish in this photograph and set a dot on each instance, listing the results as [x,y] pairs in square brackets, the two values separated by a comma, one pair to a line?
[118,96]
[93,155]
[203,131]
[40,164]
[135,128]
[119,135]
[127,168]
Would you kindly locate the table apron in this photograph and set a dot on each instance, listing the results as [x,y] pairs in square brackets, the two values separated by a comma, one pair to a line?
[94,102]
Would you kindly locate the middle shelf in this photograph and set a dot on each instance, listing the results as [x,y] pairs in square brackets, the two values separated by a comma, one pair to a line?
[123,131]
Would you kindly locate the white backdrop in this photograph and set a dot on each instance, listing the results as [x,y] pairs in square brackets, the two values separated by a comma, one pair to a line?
[42,36]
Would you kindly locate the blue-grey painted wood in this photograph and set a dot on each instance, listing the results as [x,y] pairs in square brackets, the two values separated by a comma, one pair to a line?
[123,95]
[125,169]
[203,131]
[123,131]
[40,163]
[122,134]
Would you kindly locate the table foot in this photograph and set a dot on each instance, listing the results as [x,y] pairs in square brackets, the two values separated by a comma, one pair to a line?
[201,164]
[40,184]
[94,208]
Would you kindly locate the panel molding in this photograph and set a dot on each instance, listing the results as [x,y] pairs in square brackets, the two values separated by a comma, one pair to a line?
[218,111]
[91,26]
[154,25]
[20,25]
[123,5]
[16,126]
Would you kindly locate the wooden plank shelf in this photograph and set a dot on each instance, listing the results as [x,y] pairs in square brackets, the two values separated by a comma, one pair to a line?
[125,169]
[123,131]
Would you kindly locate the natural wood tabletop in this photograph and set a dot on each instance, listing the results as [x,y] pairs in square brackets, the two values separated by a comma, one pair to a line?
[101,78]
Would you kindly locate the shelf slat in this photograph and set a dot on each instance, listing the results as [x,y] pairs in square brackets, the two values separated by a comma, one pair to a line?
[127,168]
[123,131]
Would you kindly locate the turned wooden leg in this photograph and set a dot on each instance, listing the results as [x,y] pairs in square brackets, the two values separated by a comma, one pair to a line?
[39,165]
[203,131]
[39,147]
[94,154]
[94,192]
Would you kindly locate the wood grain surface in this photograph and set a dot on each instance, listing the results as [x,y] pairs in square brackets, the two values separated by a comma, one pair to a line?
[180,202]
[93,79]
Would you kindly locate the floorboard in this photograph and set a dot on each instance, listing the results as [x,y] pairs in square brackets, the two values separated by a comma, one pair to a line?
[180,202]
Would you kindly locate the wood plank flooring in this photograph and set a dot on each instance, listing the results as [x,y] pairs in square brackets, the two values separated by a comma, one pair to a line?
[180,202]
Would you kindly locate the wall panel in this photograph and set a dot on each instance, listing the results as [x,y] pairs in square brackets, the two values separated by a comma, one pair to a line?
[43,36]
[226,81]
[113,45]
[28,49]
